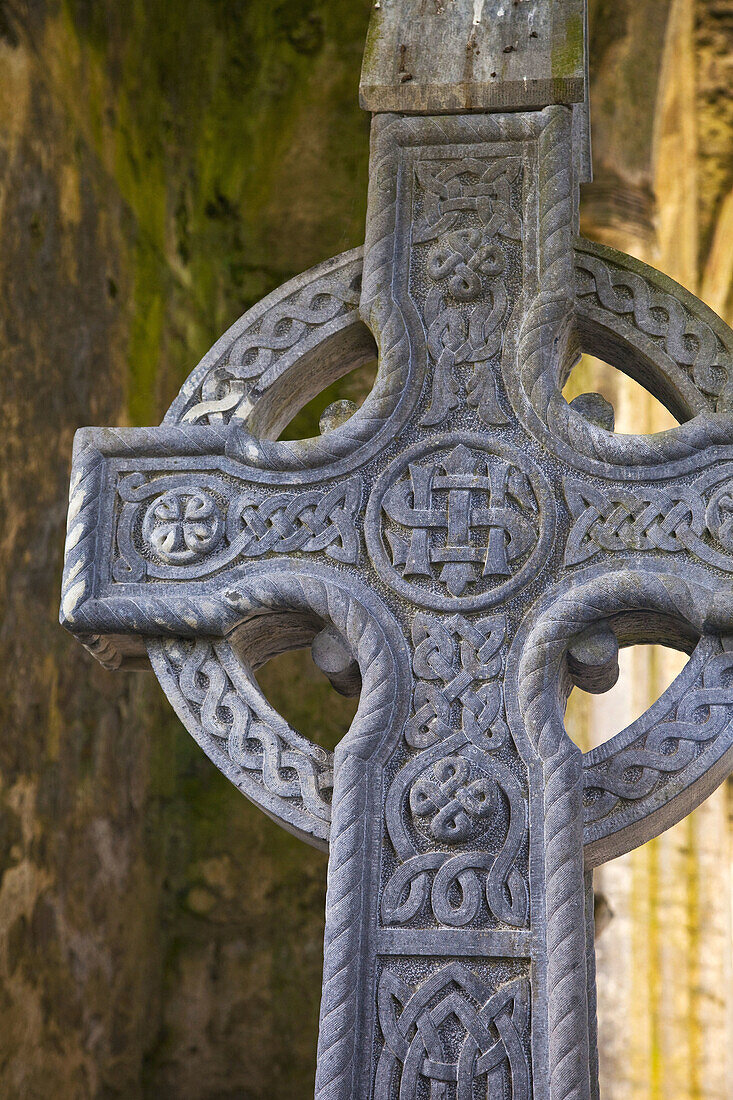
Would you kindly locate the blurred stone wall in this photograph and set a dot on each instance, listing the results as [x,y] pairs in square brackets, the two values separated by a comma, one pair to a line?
[662,103]
[162,166]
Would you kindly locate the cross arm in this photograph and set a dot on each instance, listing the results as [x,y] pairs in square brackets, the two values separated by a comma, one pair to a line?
[156,517]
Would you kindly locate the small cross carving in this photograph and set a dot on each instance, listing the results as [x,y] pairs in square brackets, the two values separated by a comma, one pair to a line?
[461,550]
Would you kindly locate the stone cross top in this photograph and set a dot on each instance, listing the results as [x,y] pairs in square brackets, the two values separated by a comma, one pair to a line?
[462,550]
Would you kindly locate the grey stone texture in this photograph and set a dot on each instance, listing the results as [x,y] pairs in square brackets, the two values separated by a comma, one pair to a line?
[468,55]
[462,548]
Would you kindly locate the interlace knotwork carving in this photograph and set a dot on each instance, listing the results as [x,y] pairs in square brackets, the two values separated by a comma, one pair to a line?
[251,743]
[458,668]
[202,522]
[457,790]
[466,212]
[688,340]
[310,522]
[257,354]
[719,515]
[451,1035]
[452,802]
[662,752]
[492,807]
[669,519]
[441,496]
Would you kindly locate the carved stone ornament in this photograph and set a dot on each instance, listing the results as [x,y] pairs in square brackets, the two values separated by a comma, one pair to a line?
[464,545]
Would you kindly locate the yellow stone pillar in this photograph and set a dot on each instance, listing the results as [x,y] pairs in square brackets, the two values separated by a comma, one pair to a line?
[665,944]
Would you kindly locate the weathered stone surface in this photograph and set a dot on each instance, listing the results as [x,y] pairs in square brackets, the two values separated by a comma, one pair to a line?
[465,55]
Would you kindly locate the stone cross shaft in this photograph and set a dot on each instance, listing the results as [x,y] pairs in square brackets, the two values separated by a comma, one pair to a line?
[462,550]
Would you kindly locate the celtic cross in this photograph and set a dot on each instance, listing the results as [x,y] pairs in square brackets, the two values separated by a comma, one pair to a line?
[461,550]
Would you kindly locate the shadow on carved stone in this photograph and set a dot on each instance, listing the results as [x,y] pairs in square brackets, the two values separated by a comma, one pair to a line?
[294,685]
[608,397]
[351,388]
[645,674]
[310,680]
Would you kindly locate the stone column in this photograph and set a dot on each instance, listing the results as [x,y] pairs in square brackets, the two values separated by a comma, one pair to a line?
[664,949]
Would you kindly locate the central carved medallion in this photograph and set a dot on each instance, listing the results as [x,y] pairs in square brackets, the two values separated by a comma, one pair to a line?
[461,521]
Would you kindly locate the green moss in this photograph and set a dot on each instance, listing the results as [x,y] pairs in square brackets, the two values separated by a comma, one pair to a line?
[228,143]
[234,138]
[373,40]
[568,54]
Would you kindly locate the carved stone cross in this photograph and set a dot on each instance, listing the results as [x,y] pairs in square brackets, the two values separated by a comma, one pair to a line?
[462,549]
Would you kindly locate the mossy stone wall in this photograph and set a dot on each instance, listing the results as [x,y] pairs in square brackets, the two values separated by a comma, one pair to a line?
[162,166]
